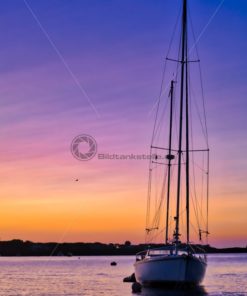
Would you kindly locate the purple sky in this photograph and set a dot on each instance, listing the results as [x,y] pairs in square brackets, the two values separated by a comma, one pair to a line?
[115,50]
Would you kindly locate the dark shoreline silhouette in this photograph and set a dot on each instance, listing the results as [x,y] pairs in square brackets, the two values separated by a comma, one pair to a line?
[18,247]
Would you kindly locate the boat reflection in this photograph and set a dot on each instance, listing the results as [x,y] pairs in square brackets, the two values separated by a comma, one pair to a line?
[196,291]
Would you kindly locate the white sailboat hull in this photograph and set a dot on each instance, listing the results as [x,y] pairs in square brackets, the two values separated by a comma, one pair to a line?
[170,269]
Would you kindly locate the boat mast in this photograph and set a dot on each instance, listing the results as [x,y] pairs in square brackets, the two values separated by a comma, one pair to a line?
[170,157]
[183,62]
[187,139]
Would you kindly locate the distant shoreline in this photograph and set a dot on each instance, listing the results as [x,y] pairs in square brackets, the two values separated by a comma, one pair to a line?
[18,247]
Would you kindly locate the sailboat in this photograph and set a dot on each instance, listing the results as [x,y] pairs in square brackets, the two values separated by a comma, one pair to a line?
[177,261]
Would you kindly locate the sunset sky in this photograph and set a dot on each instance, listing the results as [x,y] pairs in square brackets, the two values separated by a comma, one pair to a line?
[94,67]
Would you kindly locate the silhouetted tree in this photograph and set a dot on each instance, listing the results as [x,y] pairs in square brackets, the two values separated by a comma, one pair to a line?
[127,243]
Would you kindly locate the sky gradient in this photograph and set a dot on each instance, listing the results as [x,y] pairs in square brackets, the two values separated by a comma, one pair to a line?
[115,50]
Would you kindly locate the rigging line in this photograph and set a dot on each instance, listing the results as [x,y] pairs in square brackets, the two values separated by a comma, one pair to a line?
[197,209]
[156,235]
[201,84]
[195,248]
[156,218]
[170,223]
[204,131]
[201,168]
[148,198]
[207,194]
[199,205]
[158,212]
[197,40]
[200,209]
[171,180]
[174,29]
[151,167]
[150,151]
[196,233]
[177,101]
[157,197]
[158,129]
[194,163]
[196,206]
[204,106]
[193,167]
[158,103]
[168,51]
[202,186]
[194,228]
[60,56]
[177,70]
[149,193]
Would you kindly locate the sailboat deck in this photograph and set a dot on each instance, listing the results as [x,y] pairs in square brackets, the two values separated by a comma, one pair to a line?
[171,251]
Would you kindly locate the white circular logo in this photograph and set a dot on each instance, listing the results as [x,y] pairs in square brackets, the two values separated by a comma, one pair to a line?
[84,147]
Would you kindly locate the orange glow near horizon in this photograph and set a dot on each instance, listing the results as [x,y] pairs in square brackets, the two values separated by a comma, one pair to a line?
[103,211]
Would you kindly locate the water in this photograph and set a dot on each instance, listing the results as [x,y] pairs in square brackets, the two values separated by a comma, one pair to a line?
[93,276]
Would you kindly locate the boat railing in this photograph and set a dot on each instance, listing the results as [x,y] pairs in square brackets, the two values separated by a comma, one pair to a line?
[172,250]
[141,255]
[161,251]
[198,252]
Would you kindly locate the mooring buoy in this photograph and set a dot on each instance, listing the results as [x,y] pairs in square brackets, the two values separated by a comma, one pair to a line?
[136,288]
[130,279]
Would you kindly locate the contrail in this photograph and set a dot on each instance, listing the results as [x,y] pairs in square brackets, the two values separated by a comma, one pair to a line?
[59,54]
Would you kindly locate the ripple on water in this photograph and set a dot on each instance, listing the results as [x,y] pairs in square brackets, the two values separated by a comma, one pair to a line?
[91,276]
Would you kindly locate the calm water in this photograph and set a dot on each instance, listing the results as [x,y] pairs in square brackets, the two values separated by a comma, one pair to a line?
[93,276]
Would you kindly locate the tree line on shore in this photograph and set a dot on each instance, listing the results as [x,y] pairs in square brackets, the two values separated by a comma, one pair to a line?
[19,247]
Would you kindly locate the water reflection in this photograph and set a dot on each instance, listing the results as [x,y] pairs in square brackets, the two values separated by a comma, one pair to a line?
[197,291]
